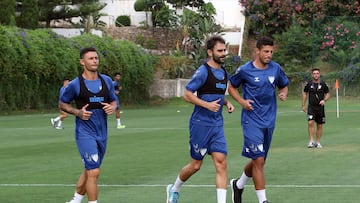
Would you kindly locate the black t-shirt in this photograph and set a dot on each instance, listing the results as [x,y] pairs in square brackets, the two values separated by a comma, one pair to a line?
[316,92]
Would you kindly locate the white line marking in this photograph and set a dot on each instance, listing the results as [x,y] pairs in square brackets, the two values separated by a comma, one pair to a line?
[160,185]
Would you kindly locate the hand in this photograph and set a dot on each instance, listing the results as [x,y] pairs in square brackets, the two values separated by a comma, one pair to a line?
[108,108]
[282,96]
[83,113]
[214,106]
[247,105]
[304,109]
[230,107]
[322,102]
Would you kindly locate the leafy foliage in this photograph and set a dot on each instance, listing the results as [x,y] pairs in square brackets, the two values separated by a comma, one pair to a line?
[33,64]
[123,20]
[7,12]
[29,17]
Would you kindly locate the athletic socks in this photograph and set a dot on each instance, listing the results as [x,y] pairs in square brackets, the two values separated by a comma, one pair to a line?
[261,195]
[77,198]
[178,183]
[221,195]
[118,121]
[242,181]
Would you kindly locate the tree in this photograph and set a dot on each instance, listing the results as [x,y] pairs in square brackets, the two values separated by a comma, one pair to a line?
[29,17]
[7,12]
[67,9]
[276,16]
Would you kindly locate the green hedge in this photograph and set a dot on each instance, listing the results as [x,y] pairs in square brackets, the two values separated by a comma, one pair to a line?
[33,64]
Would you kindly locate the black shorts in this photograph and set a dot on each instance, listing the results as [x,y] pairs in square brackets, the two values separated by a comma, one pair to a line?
[316,113]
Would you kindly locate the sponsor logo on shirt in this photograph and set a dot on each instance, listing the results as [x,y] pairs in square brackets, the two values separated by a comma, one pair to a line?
[96,99]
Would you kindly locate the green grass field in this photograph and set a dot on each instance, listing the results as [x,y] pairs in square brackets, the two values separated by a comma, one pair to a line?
[40,164]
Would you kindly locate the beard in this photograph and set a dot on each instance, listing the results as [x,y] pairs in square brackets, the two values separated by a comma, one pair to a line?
[219,60]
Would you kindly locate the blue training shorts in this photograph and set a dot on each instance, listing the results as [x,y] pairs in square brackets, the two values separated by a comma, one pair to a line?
[92,152]
[256,141]
[206,140]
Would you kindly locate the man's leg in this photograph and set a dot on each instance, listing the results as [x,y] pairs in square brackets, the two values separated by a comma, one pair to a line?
[80,188]
[319,130]
[311,133]
[186,172]
[221,175]
[92,184]
[259,178]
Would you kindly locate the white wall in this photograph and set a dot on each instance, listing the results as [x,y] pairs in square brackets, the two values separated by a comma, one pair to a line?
[228,12]
[115,8]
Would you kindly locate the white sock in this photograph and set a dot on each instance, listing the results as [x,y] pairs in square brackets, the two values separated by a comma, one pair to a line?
[261,195]
[178,183]
[118,121]
[59,123]
[57,119]
[242,181]
[77,198]
[93,201]
[221,195]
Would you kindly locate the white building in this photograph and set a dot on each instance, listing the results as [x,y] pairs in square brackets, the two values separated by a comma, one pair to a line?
[228,15]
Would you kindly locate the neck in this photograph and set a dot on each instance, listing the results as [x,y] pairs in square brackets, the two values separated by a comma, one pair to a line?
[213,64]
[258,64]
[88,75]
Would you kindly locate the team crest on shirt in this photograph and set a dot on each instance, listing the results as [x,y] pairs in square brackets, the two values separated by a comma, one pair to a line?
[271,79]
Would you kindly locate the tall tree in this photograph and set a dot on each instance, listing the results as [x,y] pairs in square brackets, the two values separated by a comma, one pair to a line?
[29,16]
[7,12]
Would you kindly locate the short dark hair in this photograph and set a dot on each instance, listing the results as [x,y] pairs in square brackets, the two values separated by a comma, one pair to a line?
[86,50]
[264,41]
[117,73]
[211,42]
[315,69]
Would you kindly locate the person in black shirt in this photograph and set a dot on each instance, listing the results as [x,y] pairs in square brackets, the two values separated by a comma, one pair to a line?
[318,93]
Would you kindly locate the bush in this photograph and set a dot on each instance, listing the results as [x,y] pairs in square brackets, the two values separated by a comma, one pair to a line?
[123,20]
[33,64]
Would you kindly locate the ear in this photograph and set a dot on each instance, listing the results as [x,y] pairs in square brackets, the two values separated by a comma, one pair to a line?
[82,62]
[209,52]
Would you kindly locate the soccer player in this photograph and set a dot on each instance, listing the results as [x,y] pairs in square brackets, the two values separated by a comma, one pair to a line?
[117,87]
[259,79]
[57,122]
[318,93]
[206,122]
[95,99]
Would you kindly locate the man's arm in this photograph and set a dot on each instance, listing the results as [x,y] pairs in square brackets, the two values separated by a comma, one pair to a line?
[246,104]
[326,97]
[283,93]
[191,98]
[303,101]
[69,108]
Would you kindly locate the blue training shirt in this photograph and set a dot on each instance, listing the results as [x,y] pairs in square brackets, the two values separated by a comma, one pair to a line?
[96,126]
[260,85]
[201,115]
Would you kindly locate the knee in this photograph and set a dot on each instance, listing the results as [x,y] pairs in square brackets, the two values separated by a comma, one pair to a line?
[93,173]
[259,162]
